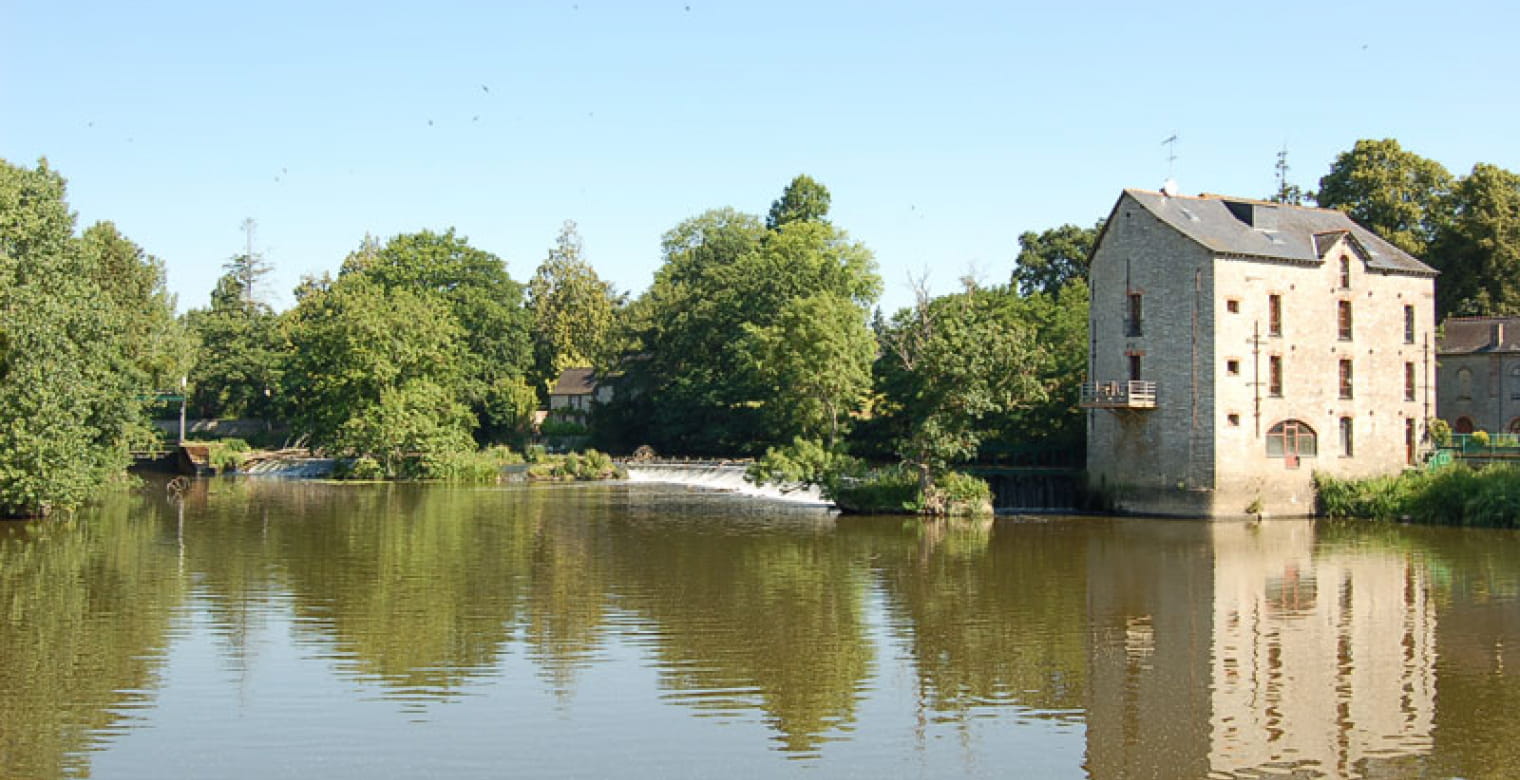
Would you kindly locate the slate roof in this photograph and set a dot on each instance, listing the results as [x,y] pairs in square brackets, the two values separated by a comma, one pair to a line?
[1468,335]
[1280,232]
[575,381]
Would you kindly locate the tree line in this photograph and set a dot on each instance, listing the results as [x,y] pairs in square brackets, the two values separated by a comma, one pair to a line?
[757,334]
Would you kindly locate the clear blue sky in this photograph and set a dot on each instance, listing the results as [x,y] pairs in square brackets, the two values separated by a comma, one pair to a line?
[942,129]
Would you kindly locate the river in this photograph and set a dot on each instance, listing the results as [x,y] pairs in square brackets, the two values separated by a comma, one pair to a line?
[270,628]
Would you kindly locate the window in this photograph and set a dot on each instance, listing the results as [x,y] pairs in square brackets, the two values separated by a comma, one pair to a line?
[1234,419]
[1275,376]
[1463,425]
[1408,324]
[1345,272]
[1408,381]
[1291,440]
[1409,440]
[1132,322]
[1232,367]
[1134,368]
[1464,384]
[1348,446]
[1274,315]
[1343,319]
[1232,306]
[1345,379]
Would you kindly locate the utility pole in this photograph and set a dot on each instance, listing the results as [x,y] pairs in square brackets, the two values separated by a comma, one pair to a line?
[248,267]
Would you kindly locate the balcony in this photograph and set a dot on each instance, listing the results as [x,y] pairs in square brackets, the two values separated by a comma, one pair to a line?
[1119,395]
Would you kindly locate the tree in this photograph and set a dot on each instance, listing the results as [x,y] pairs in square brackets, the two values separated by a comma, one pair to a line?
[68,389]
[699,384]
[158,345]
[240,354]
[1478,251]
[1049,259]
[817,360]
[352,341]
[572,309]
[948,364]
[484,300]
[417,419]
[1396,194]
[803,200]
[249,270]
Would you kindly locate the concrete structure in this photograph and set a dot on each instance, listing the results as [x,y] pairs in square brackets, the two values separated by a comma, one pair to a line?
[1478,385]
[1238,346]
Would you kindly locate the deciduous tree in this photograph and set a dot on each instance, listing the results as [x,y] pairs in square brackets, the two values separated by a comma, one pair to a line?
[1399,195]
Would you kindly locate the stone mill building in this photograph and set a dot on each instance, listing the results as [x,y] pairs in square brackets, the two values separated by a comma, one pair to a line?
[1238,346]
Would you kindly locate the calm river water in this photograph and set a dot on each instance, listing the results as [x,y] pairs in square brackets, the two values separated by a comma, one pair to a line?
[265,628]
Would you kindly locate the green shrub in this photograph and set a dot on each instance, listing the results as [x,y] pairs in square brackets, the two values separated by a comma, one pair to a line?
[1455,495]
[481,467]
[362,468]
[585,466]
[955,493]
[561,428]
[888,490]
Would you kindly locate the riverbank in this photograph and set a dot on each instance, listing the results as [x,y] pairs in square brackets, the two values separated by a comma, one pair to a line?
[1454,495]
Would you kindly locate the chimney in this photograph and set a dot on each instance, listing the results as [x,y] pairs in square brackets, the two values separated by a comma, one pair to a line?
[1496,334]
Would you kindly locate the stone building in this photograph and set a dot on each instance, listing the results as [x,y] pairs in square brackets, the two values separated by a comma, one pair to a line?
[1478,385]
[1238,346]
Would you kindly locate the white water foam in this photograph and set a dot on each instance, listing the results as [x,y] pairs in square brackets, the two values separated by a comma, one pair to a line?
[724,477]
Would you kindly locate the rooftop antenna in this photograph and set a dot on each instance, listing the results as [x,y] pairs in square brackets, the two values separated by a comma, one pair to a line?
[1169,187]
[1282,169]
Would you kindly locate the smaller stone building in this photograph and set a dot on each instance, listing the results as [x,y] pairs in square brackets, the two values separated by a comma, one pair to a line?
[1239,346]
[1479,378]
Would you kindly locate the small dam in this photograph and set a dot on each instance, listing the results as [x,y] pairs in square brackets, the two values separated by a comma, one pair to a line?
[720,475]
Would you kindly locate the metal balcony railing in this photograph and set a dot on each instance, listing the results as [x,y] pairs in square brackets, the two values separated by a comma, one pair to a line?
[1119,395]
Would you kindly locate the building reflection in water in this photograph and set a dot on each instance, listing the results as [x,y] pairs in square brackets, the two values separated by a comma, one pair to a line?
[1316,661]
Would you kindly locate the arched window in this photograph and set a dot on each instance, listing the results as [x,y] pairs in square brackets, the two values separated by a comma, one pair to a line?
[1464,382]
[1463,425]
[1291,440]
[1514,426]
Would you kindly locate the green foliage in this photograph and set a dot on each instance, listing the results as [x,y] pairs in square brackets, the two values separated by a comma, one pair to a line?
[888,490]
[804,462]
[1050,259]
[816,360]
[239,357]
[69,381]
[1396,194]
[1455,495]
[960,494]
[1478,251]
[1440,431]
[585,466]
[474,467]
[573,310]
[486,304]
[159,347]
[949,364]
[711,332]
[409,427]
[1480,439]
[226,455]
[507,413]
[553,427]
[362,469]
[352,341]
[803,200]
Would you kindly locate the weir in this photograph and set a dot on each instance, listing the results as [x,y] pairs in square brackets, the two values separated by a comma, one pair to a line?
[719,475]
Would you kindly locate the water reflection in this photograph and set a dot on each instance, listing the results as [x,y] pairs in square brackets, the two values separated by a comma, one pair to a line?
[1151,648]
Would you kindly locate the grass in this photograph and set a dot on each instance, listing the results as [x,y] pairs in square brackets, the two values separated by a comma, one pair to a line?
[1455,495]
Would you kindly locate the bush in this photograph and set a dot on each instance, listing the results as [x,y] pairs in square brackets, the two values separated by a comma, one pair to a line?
[954,493]
[587,466]
[363,469]
[561,428]
[1455,495]
[482,467]
[889,490]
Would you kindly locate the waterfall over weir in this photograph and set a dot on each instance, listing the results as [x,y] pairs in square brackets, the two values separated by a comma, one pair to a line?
[720,476]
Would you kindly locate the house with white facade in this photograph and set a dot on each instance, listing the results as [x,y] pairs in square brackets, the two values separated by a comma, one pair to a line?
[1237,346]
